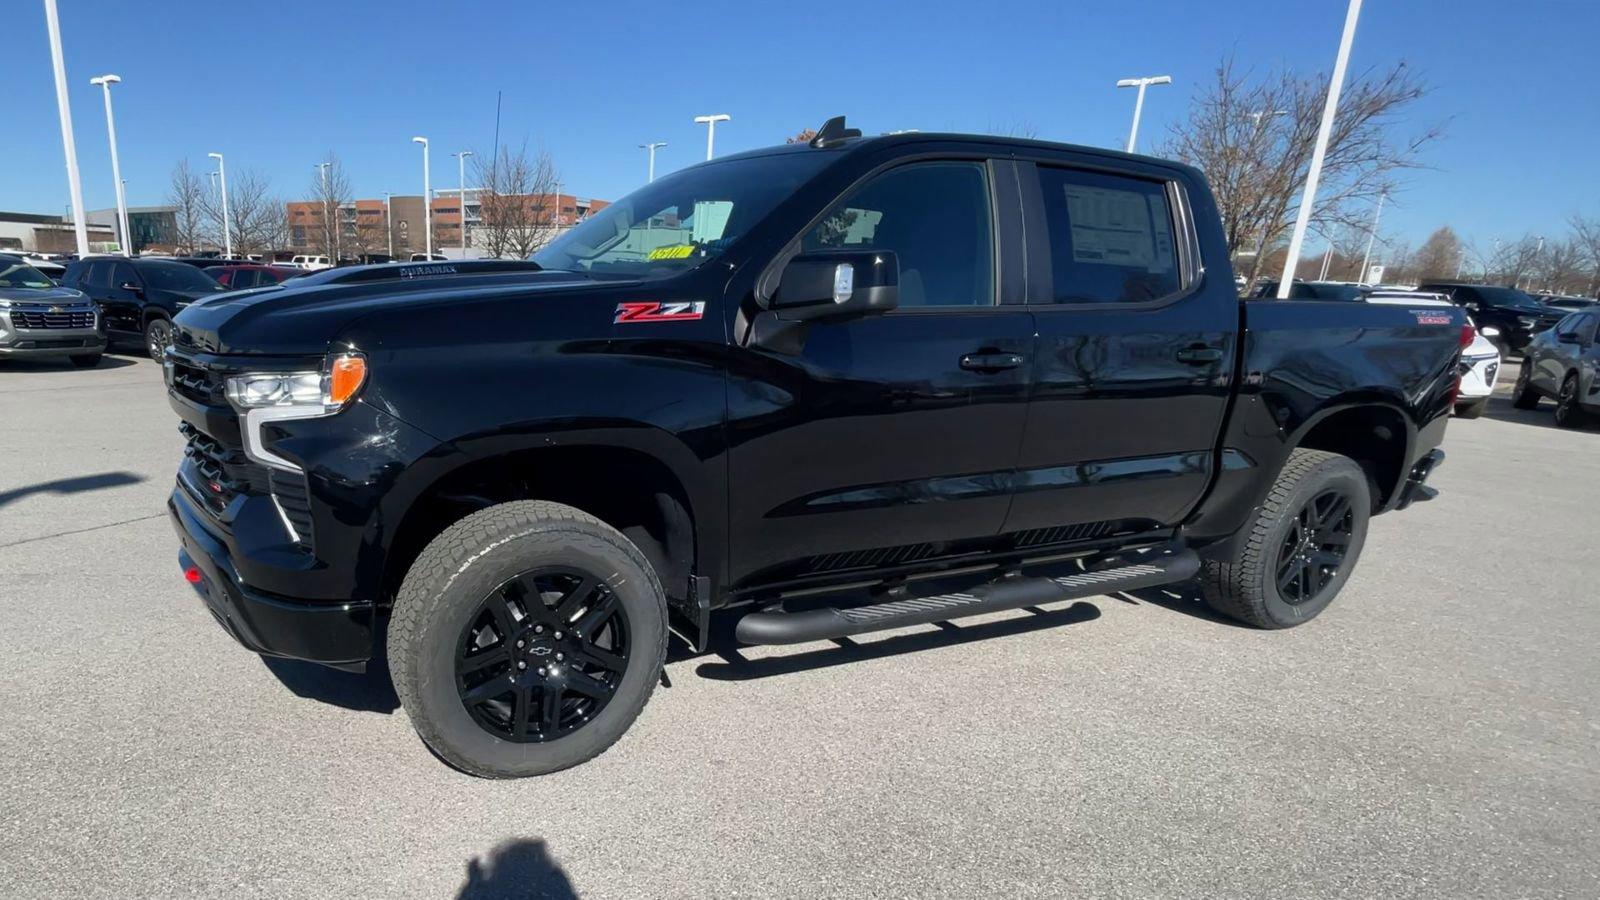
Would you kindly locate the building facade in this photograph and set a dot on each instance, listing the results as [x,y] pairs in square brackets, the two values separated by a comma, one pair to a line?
[36,233]
[365,226]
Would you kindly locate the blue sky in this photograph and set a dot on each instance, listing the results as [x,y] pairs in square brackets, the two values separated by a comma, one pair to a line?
[276,87]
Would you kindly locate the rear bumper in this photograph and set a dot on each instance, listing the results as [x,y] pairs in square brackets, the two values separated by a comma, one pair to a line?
[1416,487]
[335,634]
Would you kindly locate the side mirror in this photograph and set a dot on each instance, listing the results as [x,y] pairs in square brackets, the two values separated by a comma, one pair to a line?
[131,287]
[1568,337]
[1489,331]
[837,285]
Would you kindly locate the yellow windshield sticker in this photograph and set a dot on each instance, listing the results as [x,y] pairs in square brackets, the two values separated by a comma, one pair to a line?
[679,251]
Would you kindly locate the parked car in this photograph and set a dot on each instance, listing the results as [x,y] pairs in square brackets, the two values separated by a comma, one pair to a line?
[1517,316]
[1563,364]
[783,375]
[312,263]
[139,296]
[1565,302]
[205,262]
[423,257]
[41,318]
[236,277]
[1310,290]
[1480,360]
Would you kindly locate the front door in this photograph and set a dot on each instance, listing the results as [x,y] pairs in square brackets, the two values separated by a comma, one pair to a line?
[1133,362]
[884,439]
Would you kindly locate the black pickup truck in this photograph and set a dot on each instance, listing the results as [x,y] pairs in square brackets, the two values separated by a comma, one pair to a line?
[940,375]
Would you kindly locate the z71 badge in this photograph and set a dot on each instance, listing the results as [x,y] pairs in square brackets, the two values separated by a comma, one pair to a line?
[653,311]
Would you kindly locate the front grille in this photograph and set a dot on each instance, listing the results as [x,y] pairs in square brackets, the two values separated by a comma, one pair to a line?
[222,473]
[198,383]
[31,319]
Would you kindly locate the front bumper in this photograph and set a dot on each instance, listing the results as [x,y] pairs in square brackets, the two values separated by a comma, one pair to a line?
[335,634]
[1416,487]
[1478,376]
[29,342]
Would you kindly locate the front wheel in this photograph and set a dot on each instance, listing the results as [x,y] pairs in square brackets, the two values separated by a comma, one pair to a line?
[1523,396]
[1299,551]
[527,638]
[157,336]
[1568,413]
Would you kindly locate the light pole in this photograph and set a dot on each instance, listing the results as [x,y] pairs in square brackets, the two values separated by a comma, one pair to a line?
[327,214]
[64,110]
[1366,259]
[1138,105]
[388,209]
[227,234]
[427,199]
[711,128]
[105,82]
[1309,197]
[653,147]
[461,174]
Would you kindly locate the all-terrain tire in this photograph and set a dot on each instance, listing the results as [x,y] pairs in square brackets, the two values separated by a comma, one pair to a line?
[444,588]
[1244,585]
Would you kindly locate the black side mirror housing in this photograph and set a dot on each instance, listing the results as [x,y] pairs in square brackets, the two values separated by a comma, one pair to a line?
[837,284]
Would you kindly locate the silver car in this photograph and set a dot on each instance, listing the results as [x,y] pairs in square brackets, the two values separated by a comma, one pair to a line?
[38,318]
[1560,362]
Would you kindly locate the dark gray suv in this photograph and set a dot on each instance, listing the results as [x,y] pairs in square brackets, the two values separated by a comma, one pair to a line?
[1561,363]
[38,318]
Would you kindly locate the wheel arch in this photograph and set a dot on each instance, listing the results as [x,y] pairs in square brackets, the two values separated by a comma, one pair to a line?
[1377,434]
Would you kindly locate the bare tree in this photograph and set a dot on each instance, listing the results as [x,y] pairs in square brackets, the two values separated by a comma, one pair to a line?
[1440,255]
[255,217]
[187,195]
[1586,234]
[1563,267]
[329,191]
[1254,138]
[515,197]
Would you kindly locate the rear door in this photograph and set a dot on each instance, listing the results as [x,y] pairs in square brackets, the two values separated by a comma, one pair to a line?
[1133,362]
[888,439]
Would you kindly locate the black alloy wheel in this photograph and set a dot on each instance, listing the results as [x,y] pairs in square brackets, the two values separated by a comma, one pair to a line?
[542,655]
[1568,415]
[157,337]
[1314,547]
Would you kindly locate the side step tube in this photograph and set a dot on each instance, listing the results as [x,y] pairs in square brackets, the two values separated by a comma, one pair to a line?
[823,624]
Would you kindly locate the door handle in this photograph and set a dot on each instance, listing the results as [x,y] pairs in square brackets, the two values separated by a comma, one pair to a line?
[1199,356]
[990,362]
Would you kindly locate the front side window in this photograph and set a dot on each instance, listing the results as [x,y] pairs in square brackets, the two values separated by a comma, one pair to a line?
[935,218]
[678,222]
[1111,238]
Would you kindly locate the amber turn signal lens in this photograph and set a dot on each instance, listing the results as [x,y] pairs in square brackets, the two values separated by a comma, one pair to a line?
[345,377]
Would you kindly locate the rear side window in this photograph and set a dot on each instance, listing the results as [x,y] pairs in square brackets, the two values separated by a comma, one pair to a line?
[1111,237]
[97,277]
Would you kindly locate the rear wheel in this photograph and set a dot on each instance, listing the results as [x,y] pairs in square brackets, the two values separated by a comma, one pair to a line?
[157,336]
[1296,555]
[1523,396]
[1568,413]
[527,638]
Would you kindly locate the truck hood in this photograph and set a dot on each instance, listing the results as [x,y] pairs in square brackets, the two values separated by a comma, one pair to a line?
[302,317]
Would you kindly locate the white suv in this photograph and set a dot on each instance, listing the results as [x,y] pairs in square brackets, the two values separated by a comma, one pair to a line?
[312,263]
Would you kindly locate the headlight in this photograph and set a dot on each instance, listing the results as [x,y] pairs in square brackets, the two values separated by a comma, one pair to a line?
[275,396]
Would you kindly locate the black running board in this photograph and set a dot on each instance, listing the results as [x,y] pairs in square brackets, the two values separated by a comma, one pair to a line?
[1012,593]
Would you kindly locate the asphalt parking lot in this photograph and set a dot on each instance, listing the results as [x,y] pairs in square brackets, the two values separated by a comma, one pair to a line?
[1433,734]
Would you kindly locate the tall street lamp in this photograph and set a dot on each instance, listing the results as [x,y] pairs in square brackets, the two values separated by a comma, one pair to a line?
[461,175]
[427,199]
[64,110]
[1309,198]
[227,233]
[711,128]
[388,209]
[1366,259]
[653,146]
[327,214]
[1138,105]
[105,82]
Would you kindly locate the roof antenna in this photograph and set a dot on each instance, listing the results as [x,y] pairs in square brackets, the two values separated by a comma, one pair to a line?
[833,132]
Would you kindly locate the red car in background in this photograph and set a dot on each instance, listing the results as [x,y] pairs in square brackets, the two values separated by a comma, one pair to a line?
[239,277]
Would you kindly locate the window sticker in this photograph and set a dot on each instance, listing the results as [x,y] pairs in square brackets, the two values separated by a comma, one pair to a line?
[1114,228]
[710,220]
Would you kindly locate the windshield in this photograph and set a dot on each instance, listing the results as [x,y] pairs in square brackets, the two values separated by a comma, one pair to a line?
[22,275]
[682,220]
[169,276]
